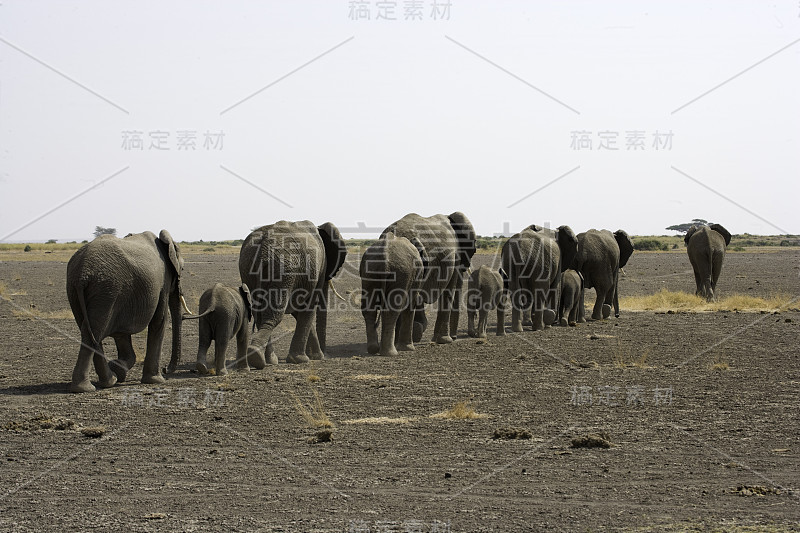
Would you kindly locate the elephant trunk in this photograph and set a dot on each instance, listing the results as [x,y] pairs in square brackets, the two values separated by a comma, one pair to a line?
[176,306]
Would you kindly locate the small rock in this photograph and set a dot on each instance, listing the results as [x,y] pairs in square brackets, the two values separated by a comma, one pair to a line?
[448,475]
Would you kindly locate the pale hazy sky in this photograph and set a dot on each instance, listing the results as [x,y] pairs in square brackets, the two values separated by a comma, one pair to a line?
[328,118]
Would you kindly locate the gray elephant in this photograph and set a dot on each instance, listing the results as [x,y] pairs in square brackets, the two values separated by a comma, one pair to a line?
[289,267]
[449,242]
[601,254]
[571,297]
[224,312]
[485,293]
[118,287]
[706,248]
[533,261]
[565,261]
[391,270]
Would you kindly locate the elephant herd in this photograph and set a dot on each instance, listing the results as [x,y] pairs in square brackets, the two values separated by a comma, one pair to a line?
[118,287]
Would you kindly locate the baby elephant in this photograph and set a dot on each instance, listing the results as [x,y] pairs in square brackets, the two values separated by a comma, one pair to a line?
[571,297]
[485,293]
[224,312]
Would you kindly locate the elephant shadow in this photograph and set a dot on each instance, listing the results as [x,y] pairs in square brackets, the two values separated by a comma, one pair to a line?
[59,387]
[347,351]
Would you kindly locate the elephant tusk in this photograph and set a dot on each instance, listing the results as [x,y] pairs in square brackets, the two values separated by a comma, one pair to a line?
[330,282]
[185,307]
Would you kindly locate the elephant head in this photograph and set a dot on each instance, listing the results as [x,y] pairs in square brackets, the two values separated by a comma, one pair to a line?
[465,234]
[625,246]
[568,245]
[244,292]
[722,231]
[691,231]
[169,248]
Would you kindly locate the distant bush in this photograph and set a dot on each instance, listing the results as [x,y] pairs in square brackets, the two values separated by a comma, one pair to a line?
[209,249]
[650,245]
[738,249]
[27,248]
[52,241]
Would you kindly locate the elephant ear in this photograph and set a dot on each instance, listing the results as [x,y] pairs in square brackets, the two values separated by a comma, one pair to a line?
[691,231]
[172,251]
[625,247]
[335,249]
[722,231]
[423,254]
[244,291]
[465,234]
[568,245]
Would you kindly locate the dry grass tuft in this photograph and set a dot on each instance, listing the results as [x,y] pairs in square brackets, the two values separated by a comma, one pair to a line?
[314,412]
[93,432]
[460,411]
[381,420]
[511,434]
[623,358]
[593,440]
[665,300]
[719,363]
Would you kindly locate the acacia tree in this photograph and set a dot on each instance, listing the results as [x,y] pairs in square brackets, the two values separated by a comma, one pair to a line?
[683,228]
[100,230]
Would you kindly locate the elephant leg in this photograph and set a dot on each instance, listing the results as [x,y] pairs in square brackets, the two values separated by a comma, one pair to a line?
[107,377]
[405,329]
[260,351]
[539,304]
[565,309]
[242,339]
[126,357]
[371,323]
[202,349]
[698,282]
[151,373]
[526,318]
[580,316]
[80,375]
[616,296]
[420,323]
[501,318]
[455,308]
[483,319]
[389,321]
[220,349]
[297,348]
[313,346]
[471,323]
[441,329]
[519,302]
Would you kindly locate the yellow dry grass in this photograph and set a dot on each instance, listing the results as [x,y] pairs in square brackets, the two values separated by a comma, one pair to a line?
[313,412]
[31,314]
[381,420]
[665,300]
[374,377]
[461,411]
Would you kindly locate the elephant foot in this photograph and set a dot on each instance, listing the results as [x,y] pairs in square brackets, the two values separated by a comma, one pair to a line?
[606,310]
[472,333]
[616,315]
[582,321]
[222,371]
[201,368]
[390,353]
[119,369]
[419,329]
[444,339]
[563,322]
[501,331]
[255,358]
[405,347]
[549,317]
[373,348]
[573,324]
[155,379]
[83,386]
[297,359]
[319,356]
[110,382]
[516,328]
[527,322]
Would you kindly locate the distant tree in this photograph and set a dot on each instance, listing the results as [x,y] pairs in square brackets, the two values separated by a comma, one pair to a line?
[100,230]
[51,241]
[683,228]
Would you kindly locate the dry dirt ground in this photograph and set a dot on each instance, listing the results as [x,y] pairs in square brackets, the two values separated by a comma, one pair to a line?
[691,447]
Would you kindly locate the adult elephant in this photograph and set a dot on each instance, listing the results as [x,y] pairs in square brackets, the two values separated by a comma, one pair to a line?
[568,254]
[117,287]
[706,248]
[449,243]
[532,260]
[289,267]
[601,254]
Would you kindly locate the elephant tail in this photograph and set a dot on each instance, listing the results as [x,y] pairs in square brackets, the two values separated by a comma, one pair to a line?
[85,324]
[201,315]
